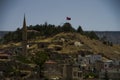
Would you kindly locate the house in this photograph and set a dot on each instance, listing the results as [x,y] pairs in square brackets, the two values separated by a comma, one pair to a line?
[99,65]
[89,59]
[82,60]
[52,70]
[108,64]
[112,74]
[5,56]
[43,44]
[77,73]
[73,72]
[93,58]
[67,72]
[116,62]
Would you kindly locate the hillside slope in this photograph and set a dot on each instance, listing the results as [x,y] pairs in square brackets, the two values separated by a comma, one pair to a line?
[85,43]
[73,43]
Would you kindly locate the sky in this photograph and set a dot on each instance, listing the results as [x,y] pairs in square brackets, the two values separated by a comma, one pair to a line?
[92,15]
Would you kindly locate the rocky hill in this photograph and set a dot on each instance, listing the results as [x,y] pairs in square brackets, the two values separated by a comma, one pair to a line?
[73,43]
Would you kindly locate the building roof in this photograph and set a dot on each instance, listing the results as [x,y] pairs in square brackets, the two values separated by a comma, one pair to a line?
[3,54]
[50,62]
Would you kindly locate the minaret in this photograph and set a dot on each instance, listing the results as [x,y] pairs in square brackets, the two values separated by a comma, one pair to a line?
[24,37]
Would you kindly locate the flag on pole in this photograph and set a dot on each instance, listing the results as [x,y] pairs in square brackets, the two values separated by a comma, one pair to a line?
[68,18]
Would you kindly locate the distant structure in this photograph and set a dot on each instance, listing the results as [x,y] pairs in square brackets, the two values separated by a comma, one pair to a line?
[24,37]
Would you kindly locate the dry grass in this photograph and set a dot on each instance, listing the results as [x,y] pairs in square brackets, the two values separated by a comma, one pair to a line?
[94,45]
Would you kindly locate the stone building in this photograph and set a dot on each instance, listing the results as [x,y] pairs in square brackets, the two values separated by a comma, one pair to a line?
[67,72]
[112,74]
[52,70]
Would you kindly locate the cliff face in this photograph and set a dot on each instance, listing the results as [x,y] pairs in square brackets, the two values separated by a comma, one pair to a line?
[112,36]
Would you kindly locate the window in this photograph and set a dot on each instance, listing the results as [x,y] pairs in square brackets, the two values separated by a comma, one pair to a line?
[74,74]
[79,74]
[105,66]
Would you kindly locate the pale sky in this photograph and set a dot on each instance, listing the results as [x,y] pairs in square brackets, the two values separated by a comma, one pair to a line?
[96,15]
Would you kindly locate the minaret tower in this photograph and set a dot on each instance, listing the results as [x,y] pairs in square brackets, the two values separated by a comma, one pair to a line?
[24,37]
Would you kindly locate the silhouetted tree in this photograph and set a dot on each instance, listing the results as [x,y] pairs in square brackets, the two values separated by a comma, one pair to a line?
[45,30]
[80,30]
[39,59]
[91,35]
[67,27]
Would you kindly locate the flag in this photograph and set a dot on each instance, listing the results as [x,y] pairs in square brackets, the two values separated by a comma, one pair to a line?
[68,18]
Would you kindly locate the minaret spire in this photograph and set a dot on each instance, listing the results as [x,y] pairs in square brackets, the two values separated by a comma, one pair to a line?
[24,36]
[24,21]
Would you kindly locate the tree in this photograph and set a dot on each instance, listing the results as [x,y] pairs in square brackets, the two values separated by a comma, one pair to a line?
[79,30]
[91,35]
[67,27]
[39,59]
[45,30]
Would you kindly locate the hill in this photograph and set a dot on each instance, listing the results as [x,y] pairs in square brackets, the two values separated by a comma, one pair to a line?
[74,43]
[112,36]
[88,44]
[64,39]
[66,43]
